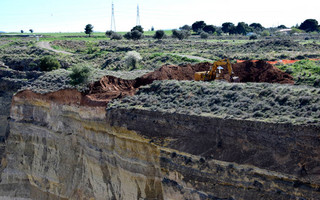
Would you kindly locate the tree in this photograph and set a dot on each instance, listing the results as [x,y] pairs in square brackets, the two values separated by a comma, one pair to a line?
[22,31]
[159,34]
[138,28]
[136,35]
[209,29]
[198,26]
[133,35]
[243,28]
[152,28]
[282,27]
[88,29]
[257,27]
[109,33]
[185,27]
[182,34]
[31,30]
[127,35]
[309,25]
[228,27]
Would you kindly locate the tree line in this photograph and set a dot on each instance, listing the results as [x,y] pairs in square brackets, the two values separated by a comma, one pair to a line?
[204,30]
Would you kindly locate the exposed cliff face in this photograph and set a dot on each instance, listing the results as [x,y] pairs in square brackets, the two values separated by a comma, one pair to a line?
[10,82]
[64,151]
[58,148]
[279,147]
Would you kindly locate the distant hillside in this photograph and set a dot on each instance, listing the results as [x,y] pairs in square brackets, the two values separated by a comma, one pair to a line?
[2,32]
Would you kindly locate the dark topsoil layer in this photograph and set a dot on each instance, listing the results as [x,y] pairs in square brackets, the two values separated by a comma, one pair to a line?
[109,87]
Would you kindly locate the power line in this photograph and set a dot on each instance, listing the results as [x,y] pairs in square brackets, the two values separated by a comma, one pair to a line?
[138,16]
[113,22]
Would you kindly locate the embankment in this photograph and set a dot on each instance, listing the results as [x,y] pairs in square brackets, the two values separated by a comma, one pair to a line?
[60,149]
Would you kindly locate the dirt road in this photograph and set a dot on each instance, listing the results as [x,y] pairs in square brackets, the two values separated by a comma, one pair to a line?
[46,45]
[193,57]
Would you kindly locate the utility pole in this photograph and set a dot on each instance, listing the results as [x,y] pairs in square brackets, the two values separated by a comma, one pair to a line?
[113,22]
[138,16]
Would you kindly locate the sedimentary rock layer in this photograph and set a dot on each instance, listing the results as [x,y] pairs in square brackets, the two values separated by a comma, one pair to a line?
[61,149]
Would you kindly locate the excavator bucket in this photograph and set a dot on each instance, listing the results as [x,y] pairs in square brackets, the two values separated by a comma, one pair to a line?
[202,76]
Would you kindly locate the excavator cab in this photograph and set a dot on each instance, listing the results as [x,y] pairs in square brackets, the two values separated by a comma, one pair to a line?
[216,72]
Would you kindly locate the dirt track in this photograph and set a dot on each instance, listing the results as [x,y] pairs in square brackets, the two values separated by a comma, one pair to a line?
[193,57]
[46,45]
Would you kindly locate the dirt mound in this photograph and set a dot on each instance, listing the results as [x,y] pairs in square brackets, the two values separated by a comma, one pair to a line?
[261,71]
[110,87]
[173,72]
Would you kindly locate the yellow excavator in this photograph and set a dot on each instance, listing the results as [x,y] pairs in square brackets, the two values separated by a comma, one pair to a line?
[216,72]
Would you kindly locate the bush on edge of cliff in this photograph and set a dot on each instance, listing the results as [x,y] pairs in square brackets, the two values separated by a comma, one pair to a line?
[80,74]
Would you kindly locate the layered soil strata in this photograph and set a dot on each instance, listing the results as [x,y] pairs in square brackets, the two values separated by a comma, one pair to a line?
[59,148]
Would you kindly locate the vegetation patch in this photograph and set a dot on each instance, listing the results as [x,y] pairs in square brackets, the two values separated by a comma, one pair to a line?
[250,101]
[49,63]
[305,72]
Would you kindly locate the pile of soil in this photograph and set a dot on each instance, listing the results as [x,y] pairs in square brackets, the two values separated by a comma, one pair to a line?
[110,87]
[260,71]
[173,72]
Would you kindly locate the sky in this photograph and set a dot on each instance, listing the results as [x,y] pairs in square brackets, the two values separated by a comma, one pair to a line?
[73,15]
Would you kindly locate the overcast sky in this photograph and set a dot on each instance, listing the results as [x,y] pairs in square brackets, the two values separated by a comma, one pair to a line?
[73,15]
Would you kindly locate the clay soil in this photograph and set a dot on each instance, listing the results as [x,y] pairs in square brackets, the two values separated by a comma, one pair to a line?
[110,87]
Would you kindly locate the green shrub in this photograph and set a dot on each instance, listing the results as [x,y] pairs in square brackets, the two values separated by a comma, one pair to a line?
[253,37]
[115,36]
[131,59]
[80,74]
[265,33]
[304,72]
[182,34]
[204,35]
[133,35]
[49,63]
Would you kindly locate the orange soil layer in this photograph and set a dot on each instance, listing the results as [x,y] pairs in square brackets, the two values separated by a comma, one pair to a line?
[278,61]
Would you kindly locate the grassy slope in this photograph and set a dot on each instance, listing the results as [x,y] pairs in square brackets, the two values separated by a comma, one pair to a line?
[250,101]
[305,72]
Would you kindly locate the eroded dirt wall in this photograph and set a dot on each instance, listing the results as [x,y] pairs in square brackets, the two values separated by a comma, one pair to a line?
[61,149]
[283,148]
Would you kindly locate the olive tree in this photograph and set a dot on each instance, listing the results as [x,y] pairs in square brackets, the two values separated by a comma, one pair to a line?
[88,29]
[159,34]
